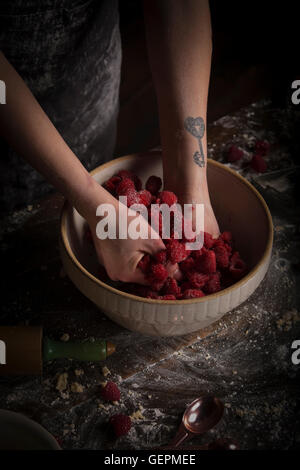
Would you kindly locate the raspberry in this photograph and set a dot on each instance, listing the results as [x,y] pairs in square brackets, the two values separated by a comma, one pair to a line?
[152,295]
[213,284]
[111,392]
[262,147]
[121,424]
[187,265]
[145,197]
[167,197]
[258,164]
[226,237]
[196,254]
[234,154]
[111,184]
[237,266]
[220,243]
[198,267]
[153,184]
[176,251]
[207,262]
[171,287]
[161,257]
[197,280]
[156,286]
[144,263]
[157,273]
[168,297]
[192,294]
[208,240]
[155,218]
[185,286]
[128,174]
[133,197]
[222,256]
[125,186]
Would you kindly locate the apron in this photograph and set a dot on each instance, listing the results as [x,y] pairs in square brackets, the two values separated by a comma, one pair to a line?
[69,54]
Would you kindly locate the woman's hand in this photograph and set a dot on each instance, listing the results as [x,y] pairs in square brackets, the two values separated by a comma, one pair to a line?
[201,197]
[120,257]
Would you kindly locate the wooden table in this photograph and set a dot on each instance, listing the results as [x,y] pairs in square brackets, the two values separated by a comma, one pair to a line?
[245,358]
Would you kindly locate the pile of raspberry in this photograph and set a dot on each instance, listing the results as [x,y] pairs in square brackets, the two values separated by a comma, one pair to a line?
[257,162]
[206,271]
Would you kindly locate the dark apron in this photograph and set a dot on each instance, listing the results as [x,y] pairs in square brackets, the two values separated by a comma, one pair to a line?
[69,54]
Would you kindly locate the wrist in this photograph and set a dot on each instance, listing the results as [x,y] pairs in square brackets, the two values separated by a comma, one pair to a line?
[89,197]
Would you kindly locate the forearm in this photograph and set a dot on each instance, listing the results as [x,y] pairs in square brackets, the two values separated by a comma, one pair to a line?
[180,45]
[29,131]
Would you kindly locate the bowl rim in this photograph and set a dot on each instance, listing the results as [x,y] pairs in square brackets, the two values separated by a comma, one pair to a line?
[265,255]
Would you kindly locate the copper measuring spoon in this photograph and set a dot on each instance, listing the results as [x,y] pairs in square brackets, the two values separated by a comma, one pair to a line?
[199,417]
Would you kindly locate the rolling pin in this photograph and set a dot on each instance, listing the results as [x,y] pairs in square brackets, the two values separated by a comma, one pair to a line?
[23,350]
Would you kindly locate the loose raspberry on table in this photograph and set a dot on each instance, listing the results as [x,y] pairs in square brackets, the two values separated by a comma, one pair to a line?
[167,197]
[121,424]
[171,287]
[262,147]
[258,164]
[197,280]
[110,392]
[153,184]
[207,262]
[213,284]
[192,294]
[176,251]
[145,197]
[234,154]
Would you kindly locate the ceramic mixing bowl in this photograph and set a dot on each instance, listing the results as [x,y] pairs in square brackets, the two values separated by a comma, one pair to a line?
[238,208]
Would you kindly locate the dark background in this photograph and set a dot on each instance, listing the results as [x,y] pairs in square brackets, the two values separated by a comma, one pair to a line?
[254,57]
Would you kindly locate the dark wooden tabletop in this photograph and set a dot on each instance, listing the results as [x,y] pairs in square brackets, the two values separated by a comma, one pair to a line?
[244,359]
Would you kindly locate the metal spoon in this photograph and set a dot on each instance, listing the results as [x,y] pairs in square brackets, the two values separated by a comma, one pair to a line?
[199,417]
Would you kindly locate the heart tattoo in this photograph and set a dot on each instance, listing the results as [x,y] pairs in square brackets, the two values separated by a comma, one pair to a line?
[196,127]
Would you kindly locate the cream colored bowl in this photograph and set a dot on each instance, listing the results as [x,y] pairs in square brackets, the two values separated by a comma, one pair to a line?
[238,207]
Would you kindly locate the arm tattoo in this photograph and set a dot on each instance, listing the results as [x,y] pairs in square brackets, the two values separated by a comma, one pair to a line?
[196,127]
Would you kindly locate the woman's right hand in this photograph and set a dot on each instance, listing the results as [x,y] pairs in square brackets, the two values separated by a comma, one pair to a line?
[120,257]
